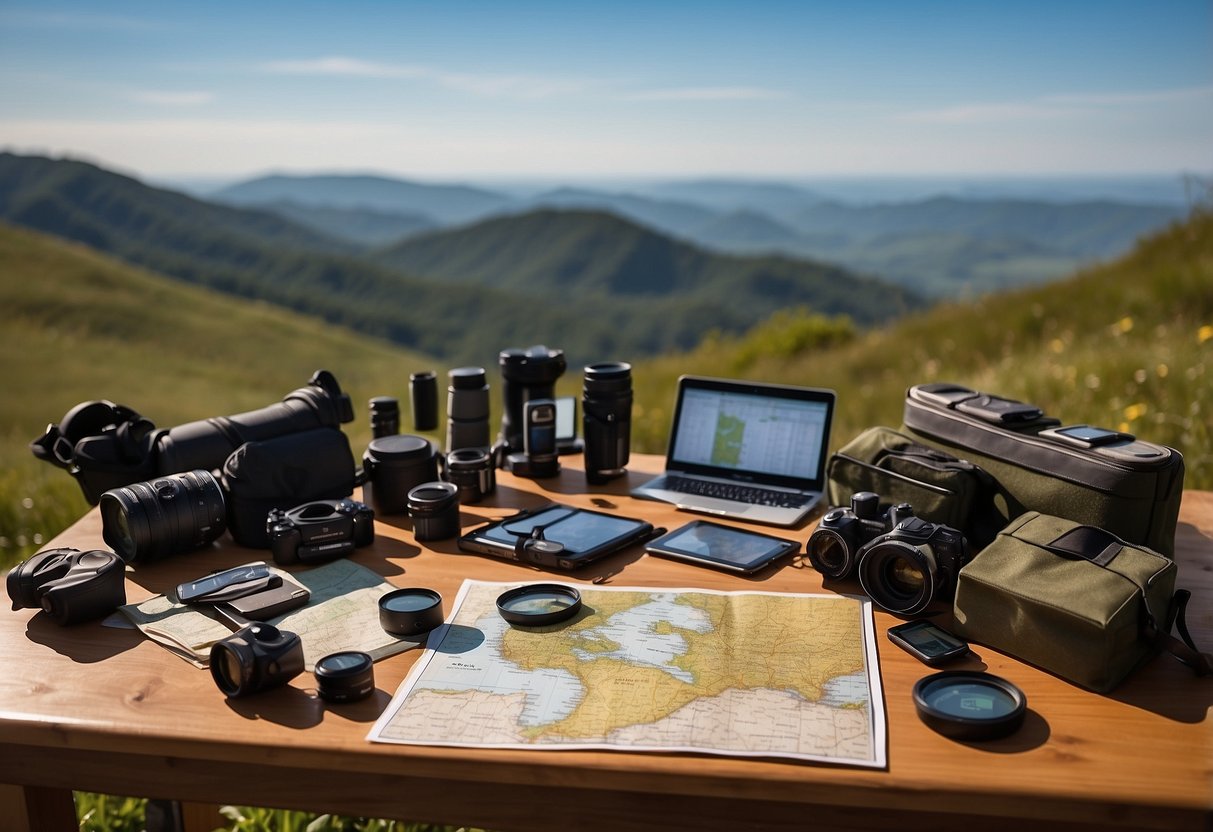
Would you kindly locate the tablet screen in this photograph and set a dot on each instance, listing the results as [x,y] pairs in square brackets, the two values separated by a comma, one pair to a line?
[578,531]
[722,545]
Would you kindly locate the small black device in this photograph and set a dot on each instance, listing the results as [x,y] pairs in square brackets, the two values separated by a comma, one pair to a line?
[539,458]
[538,605]
[471,470]
[150,520]
[393,466]
[927,642]
[423,393]
[319,531]
[606,407]
[1085,436]
[69,585]
[228,584]
[704,543]
[410,611]
[348,676]
[557,536]
[434,509]
[968,705]
[467,409]
[834,545]
[385,416]
[913,565]
[526,374]
[256,658]
[268,603]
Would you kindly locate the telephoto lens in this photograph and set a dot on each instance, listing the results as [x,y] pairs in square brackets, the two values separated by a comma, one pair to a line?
[256,658]
[467,409]
[526,374]
[473,472]
[423,392]
[394,465]
[149,520]
[434,507]
[385,416]
[606,413]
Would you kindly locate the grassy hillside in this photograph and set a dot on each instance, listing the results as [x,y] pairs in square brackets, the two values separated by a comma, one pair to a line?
[78,326]
[1125,345]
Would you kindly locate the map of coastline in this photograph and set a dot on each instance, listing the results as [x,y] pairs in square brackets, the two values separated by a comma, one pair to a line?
[743,673]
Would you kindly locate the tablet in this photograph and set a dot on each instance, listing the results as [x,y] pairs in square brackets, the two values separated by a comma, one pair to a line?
[723,547]
[560,536]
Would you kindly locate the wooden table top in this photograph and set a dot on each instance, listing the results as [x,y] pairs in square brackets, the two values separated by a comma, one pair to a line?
[106,710]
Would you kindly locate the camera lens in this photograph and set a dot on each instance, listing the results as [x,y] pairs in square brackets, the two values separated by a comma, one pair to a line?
[467,409]
[899,577]
[385,416]
[830,554]
[255,658]
[227,670]
[471,469]
[423,393]
[434,507]
[395,464]
[606,408]
[148,520]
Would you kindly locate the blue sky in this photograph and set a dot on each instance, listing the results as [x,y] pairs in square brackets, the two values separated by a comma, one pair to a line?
[518,89]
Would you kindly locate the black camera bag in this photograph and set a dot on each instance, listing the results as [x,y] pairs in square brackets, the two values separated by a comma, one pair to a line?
[1136,499]
[282,473]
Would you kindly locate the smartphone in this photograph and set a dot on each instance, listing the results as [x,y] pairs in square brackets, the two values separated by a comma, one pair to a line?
[271,602]
[228,584]
[927,642]
[1086,436]
[704,543]
[539,428]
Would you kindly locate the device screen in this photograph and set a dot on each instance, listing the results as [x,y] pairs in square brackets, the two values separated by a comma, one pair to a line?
[566,418]
[1095,436]
[540,438]
[577,531]
[722,545]
[927,641]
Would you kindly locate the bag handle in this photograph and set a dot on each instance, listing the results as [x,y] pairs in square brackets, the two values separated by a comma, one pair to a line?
[1100,547]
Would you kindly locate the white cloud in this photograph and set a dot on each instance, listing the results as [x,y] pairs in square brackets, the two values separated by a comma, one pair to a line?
[489,85]
[172,98]
[708,94]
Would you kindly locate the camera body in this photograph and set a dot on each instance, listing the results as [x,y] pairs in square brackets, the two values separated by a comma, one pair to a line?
[319,531]
[834,546]
[256,658]
[912,565]
[70,585]
[904,563]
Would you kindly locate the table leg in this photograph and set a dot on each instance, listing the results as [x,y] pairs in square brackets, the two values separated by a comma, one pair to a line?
[37,809]
[201,817]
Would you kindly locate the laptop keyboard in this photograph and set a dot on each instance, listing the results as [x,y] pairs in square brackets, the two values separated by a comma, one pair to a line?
[732,491]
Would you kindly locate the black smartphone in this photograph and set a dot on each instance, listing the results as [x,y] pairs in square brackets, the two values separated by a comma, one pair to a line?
[539,428]
[724,547]
[1086,436]
[228,584]
[927,642]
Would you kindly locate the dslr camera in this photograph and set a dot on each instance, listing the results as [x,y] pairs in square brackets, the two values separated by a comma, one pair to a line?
[904,563]
[319,531]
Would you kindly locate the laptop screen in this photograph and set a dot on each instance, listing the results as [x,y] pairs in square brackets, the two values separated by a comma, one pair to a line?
[751,431]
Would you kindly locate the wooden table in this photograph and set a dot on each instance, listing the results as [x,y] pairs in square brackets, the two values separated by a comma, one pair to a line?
[104,710]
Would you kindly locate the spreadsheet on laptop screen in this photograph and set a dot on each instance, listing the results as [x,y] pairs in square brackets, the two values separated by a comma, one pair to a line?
[745,432]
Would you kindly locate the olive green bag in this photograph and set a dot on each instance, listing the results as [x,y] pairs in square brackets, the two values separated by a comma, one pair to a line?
[900,469]
[1074,600]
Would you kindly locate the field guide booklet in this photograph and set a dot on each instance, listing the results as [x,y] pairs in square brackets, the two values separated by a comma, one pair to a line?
[747,674]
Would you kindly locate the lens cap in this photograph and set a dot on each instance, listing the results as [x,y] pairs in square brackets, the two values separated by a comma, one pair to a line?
[537,605]
[410,612]
[968,705]
[345,677]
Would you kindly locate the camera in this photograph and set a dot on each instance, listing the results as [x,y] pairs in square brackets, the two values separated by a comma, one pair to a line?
[319,531]
[907,569]
[606,407]
[526,375]
[834,546]
[539,457]
[256,658]
[70,585]
[149,520]
[106,446]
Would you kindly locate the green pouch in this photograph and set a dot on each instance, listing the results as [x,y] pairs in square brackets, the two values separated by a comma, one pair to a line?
[1072,599]
[940,487]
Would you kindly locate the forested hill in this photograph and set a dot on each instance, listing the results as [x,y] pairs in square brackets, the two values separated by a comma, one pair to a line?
[657,295]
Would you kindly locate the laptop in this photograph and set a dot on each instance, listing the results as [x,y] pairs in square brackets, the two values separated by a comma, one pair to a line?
[742,449]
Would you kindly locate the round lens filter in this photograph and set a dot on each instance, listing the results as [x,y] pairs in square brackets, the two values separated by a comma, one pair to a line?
[410,612]
[967,705]
[537,605]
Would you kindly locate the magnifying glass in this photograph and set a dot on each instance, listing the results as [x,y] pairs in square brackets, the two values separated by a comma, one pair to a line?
[537,605]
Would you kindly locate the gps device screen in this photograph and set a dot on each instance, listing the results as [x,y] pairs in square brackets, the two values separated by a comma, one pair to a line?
[711,544]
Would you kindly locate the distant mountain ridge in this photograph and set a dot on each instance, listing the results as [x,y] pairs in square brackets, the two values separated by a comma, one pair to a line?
[957,245]
[570,298]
